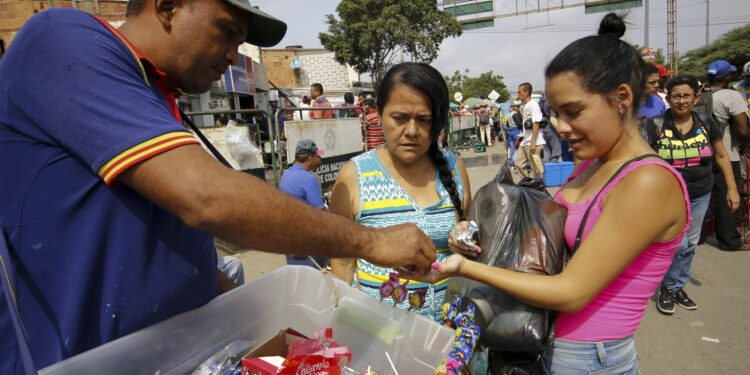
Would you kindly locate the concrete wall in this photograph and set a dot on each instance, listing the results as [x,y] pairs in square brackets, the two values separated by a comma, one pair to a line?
[14,13]
[318,66]
[276,63]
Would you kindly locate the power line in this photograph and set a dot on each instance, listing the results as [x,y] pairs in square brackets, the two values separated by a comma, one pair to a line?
[593,29]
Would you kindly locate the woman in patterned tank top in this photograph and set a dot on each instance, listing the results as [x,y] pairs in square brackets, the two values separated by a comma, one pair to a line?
[407,180]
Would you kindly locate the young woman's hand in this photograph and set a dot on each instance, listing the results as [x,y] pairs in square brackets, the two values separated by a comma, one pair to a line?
[450,267]
[459,247]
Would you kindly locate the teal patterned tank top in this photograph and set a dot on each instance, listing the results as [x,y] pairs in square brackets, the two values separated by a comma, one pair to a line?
[383,203]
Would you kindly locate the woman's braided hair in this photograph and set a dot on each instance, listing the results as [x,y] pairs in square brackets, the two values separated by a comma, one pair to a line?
[430,82]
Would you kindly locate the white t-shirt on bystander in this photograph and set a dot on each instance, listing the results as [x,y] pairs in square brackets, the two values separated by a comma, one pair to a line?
[532,111]
[727,104]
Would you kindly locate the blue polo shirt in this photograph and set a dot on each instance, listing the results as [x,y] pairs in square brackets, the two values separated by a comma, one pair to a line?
[95,260]
[303,185]
[652,107]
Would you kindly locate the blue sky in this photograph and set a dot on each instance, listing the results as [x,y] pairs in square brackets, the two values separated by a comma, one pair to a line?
[519,47]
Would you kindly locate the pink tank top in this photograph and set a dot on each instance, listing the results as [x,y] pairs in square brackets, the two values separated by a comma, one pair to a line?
[618,309]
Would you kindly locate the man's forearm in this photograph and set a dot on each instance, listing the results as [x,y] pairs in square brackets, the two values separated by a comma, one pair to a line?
[743,130]
[534,132]
[246,207]
[243,209]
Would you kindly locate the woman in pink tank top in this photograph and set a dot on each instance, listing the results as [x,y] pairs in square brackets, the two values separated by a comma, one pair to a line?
[636,223]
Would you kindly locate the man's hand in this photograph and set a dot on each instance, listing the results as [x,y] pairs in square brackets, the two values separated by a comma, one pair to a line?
[532,148]
[402,246]
[733,200]
[451,266]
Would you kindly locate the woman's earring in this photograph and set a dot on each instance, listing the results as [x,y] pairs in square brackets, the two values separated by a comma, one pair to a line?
[622,111]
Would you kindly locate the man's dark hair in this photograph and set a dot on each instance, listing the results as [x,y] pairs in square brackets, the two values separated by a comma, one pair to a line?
[301,158]
[134,7]
[713,80]
[603,62]
[683,79]
[526,87]
[370,103]
[318,87]
[649,69]
[362,94]
[349,98]
[431,83]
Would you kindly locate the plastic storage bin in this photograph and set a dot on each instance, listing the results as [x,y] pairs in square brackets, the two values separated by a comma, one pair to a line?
[291,296]
[555,174]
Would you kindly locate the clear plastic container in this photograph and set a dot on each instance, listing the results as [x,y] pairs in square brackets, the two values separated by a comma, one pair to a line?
[292,296]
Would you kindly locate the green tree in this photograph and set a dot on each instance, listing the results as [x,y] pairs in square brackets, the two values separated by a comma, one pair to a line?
[732,46]
[369,34]
[477,87]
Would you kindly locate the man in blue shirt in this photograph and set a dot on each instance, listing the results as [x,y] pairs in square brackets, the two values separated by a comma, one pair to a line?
[300,182]
[651,104]
[109,205]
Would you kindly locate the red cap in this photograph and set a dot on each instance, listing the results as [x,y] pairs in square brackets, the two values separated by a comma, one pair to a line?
[663,71]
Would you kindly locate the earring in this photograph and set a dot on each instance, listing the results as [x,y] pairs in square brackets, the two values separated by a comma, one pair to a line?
[622,111]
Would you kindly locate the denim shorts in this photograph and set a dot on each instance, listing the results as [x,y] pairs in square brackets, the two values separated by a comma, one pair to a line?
[606,357]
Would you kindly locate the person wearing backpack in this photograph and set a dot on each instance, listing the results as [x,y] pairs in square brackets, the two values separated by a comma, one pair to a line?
[692,143]
[553,147]
[533,142]
[515,123]
[485,133]
[728,109]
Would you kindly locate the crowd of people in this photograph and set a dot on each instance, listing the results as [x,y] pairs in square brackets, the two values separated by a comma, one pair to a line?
[110,228]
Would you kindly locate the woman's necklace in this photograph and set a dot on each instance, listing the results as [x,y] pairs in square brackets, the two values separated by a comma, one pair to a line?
[684,126]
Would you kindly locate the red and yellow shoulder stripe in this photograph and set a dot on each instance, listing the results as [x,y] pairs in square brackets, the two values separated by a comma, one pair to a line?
[142,151]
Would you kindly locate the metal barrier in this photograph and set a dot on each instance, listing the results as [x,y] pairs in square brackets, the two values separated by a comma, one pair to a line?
[461,125]
[260,140]
[277,115]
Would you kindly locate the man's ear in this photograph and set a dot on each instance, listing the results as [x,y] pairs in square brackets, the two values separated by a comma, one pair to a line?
[164,10]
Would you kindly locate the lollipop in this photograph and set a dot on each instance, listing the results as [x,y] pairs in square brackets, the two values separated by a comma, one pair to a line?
[386,289]
[450,309]
[448,367]
[393,288]
[465,317]
[416,299]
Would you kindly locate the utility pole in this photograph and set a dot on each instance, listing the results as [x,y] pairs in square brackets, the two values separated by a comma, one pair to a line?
[672,34]
[645,28]
[708,23]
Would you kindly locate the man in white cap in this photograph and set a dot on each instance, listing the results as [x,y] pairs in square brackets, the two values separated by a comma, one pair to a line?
[109,203]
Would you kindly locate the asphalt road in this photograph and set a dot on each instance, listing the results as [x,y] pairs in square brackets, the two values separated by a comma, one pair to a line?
[710,340]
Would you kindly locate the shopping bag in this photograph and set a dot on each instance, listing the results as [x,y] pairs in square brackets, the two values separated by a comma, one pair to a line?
[521,229]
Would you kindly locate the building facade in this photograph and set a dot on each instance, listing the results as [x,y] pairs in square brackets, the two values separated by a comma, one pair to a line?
[296,68]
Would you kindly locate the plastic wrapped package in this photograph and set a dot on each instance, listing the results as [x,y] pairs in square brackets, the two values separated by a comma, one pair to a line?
[522,229]
[242,149]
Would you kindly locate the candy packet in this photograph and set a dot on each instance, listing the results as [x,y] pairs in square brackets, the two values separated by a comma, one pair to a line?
[319,356]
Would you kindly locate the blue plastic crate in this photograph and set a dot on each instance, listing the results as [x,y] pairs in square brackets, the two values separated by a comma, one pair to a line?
[555,174]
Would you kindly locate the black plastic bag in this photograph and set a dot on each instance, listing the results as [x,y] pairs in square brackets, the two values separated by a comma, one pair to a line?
[522,229]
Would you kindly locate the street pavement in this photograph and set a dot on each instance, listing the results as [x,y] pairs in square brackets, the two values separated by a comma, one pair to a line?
[710,340]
